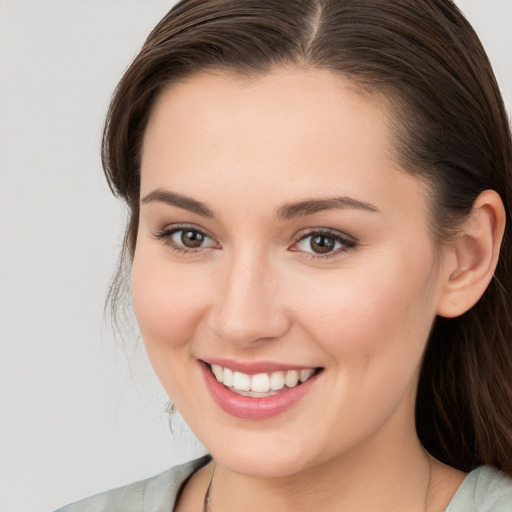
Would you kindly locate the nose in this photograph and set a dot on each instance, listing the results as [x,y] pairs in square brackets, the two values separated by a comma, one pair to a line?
[250,304]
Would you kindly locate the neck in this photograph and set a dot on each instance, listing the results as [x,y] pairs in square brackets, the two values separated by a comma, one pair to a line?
[386,477]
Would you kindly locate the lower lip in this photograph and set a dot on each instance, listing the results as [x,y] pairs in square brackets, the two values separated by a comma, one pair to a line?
[254,408]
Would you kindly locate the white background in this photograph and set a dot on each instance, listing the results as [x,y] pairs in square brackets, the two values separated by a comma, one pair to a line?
[75,417]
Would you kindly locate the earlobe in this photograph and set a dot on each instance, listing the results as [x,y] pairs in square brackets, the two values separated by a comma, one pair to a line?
[473,256]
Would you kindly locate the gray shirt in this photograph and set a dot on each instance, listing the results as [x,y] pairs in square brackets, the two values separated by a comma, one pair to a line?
[485,489]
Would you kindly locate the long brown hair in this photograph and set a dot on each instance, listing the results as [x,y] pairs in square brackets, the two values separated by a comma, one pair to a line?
[450,128]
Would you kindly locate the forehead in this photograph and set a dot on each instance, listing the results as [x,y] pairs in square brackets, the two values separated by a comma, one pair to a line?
[290,132]
[283,95]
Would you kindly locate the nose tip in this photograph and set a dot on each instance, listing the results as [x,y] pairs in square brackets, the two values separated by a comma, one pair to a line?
[249,308]
[246,329]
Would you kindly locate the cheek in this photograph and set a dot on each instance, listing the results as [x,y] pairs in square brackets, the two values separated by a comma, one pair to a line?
[167,300]
[373,316]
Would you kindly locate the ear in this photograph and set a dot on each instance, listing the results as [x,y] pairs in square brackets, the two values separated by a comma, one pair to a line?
[472,259]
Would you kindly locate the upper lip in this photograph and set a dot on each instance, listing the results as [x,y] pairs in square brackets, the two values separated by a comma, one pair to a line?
[255,367]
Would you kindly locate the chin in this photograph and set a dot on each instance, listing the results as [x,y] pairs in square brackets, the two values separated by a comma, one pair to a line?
[262,466]
[263,460]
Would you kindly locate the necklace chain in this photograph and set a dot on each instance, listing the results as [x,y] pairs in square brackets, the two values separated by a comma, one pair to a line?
[207,496]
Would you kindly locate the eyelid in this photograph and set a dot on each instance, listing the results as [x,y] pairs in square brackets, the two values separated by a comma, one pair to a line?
[347,242]
[165,235]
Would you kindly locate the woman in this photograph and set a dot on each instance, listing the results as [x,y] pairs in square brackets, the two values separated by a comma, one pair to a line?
[319,192]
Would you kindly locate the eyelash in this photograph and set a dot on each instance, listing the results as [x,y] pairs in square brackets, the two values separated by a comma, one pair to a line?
[345,242]
[166,237]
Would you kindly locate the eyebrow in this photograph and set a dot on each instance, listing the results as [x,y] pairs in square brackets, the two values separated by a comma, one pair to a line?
[288,211]
[173,199]
[313,206]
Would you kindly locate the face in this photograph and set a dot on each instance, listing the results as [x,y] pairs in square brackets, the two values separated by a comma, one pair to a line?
[280,240]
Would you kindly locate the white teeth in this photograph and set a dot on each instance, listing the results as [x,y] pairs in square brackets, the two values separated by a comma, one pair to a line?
[218,372]
[292,378]
[241,381]
[228,377]
[304,375]
[260,383]
[277,381]
[254,394]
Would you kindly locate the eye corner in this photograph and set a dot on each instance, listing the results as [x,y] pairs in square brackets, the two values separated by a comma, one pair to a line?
[335,243]
[200,241]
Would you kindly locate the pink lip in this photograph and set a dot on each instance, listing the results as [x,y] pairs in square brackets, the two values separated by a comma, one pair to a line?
[252,367]
[254,408]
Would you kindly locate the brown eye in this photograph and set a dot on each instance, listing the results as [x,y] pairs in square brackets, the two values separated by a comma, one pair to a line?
[187,239]
[322,244]
[192,239]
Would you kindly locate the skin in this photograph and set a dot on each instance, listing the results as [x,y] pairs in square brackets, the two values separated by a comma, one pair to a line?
[256,291]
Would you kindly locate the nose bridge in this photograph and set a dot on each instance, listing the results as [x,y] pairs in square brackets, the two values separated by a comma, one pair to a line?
[249,308]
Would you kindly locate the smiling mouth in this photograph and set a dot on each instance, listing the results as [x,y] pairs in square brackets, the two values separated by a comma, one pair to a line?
[261,385]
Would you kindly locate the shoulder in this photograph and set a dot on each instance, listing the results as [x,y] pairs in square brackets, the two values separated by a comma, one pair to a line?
[485,489]
[154,494]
